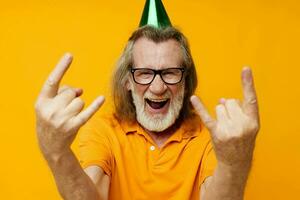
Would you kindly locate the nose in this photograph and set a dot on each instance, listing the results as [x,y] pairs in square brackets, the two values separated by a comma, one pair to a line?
[158,86]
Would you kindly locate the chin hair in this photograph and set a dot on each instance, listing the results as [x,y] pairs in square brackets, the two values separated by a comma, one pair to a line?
[158,122]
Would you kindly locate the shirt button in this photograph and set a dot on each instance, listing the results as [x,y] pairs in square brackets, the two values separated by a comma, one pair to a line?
[152,148]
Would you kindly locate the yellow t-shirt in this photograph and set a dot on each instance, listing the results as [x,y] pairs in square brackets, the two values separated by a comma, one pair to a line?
[138,169]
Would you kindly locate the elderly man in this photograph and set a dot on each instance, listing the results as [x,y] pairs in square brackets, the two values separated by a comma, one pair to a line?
[153,145]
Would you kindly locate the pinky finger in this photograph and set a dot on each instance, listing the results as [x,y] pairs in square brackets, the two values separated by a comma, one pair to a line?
[86,114]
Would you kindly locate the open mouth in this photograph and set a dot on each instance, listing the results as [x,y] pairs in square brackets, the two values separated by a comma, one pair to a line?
[157,104]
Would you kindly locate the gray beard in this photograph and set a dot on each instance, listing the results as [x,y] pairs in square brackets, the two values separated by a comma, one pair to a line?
[158,122]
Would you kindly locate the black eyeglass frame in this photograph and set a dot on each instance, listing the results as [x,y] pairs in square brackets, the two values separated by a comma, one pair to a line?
[159,72]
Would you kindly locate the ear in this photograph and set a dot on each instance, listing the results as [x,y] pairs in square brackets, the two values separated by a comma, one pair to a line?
[128,85]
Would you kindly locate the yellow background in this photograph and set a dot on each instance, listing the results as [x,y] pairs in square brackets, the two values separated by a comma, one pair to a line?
[224,36]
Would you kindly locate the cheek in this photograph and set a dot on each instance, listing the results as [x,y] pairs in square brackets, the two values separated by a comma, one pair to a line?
[176,90]
[137,89]
[140,90]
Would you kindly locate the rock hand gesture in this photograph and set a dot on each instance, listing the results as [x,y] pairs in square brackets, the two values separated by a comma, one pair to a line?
[59,111]
[234,131]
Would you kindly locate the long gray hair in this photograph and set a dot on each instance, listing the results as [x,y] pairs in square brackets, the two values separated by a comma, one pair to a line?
[124,107]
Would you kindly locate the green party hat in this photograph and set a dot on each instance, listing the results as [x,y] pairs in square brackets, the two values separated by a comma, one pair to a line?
[154,14]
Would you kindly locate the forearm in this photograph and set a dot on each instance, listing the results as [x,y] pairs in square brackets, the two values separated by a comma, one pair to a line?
[227,183]
[71,180]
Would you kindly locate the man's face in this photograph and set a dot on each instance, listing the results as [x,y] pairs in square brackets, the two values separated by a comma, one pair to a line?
[157,104]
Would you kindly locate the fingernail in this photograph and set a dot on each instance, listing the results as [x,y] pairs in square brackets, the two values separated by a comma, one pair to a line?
[101,98]
[68,55]
[192,97]
[78,91]
[246,67]
[222,100]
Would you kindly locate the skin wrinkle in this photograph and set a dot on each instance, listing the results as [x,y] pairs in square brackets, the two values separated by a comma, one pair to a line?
[157,56]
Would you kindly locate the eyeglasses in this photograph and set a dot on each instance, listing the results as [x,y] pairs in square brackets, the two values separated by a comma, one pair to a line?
[145,76]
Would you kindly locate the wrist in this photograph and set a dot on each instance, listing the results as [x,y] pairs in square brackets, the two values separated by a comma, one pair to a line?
[237,172]
[237,166]
[57,156]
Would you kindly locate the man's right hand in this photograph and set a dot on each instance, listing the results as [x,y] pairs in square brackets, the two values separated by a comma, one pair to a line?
[59,112]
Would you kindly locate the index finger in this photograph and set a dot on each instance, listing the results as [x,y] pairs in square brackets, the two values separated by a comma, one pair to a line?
[250,99]
[51,85]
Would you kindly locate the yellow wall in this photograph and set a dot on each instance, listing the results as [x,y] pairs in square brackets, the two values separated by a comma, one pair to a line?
[224,36]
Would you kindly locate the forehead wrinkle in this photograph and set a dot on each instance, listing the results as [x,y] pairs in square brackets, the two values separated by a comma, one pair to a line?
[147,53]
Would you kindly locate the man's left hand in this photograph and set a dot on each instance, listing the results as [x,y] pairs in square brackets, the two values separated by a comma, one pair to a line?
[234,130]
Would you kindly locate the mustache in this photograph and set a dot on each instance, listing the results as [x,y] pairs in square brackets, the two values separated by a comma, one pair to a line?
[149,95]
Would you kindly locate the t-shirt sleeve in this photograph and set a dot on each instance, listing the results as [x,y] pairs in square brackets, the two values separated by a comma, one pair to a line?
[208,163]
[95,145]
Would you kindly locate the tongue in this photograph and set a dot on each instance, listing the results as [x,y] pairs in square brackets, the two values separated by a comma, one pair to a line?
[156,105]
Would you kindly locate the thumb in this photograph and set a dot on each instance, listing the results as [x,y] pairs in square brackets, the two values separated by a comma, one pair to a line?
[208,121]
[86,114]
